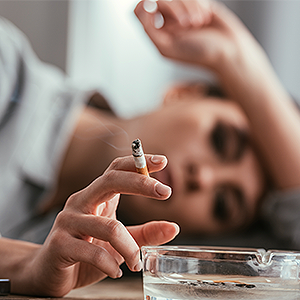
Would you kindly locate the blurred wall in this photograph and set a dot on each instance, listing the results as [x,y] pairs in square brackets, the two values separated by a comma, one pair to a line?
[45,23]
[107,47]
[276,25]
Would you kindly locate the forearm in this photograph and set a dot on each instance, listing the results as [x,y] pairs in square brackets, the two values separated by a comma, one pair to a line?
[226,47]
[273,117]
[15,264]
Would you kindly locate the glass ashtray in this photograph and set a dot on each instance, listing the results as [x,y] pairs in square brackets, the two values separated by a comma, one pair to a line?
[189,272]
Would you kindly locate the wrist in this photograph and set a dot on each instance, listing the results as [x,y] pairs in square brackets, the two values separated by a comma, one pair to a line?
[16,264]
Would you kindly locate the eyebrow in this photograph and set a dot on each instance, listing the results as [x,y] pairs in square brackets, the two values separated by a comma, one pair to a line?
[236,140]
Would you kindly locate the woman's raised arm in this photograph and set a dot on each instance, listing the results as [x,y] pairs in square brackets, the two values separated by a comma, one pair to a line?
[219,41]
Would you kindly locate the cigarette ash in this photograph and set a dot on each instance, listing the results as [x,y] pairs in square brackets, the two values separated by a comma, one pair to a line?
[211,287]
[208,289]
[137,149]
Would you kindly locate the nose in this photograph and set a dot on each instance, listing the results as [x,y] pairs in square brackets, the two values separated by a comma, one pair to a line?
[201,177]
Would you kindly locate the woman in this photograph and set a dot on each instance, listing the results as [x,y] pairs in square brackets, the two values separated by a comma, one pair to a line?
[212,161]
[221,153]
[207,34]
[224,154]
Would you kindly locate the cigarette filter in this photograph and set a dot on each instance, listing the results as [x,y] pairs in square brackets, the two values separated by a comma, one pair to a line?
[139,157]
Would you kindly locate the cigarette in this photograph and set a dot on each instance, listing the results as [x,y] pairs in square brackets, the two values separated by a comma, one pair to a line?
[139,157]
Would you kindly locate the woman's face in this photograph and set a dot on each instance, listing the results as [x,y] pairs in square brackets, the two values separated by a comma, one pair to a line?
[213,171]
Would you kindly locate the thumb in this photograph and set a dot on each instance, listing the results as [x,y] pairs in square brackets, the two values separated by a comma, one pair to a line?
[154,233]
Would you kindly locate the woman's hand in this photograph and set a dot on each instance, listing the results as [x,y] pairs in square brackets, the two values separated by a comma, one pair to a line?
[208,34]
[87,243]
[200,32]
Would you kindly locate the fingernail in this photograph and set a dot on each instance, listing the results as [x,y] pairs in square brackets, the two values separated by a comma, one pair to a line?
[120,273]
[150,6]
[158,159]
[162,190]
[138,267]
[177,228]
[159,21]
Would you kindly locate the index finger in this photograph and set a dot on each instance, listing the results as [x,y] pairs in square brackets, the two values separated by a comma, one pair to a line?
[117,179]
[174,12]
[155,163]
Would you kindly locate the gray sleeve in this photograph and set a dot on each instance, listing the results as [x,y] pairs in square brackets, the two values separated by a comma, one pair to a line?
[11,45]
[46,107]
[36,132]
[281,210]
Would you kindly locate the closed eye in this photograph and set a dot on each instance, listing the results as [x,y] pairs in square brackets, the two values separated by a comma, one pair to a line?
[230,205]
[218,139]
[221,209]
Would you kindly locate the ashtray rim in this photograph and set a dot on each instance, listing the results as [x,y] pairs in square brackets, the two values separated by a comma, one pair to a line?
[262,255]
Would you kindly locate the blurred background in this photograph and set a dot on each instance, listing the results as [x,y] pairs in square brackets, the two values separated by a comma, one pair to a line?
[100,44]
